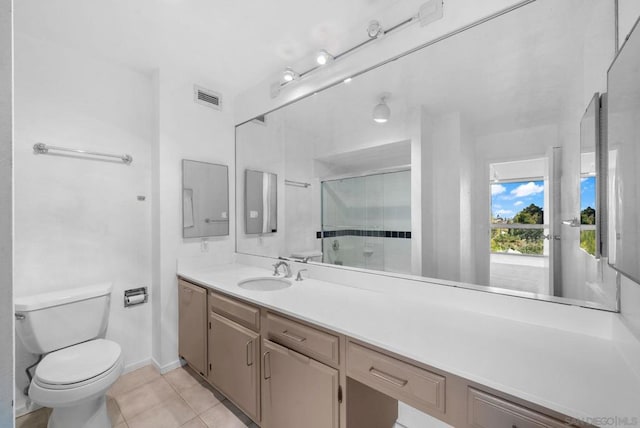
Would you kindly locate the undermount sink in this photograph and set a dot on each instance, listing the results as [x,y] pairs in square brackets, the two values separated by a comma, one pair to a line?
[265,283]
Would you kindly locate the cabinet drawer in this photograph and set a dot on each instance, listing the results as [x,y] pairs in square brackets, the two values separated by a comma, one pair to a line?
[242,313]
[306,340]
[413,385]
[488,411]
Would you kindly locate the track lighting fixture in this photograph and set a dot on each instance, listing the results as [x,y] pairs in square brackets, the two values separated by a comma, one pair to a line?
[429,12]
[323,57]
[374,30]
[288,75]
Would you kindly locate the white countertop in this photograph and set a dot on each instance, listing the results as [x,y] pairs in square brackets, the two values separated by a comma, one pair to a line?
[578,375]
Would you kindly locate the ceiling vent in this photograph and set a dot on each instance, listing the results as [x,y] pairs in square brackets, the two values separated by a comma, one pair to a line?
[207,97]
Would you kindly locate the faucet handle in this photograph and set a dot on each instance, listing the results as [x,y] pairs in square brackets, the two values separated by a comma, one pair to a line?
[299,276]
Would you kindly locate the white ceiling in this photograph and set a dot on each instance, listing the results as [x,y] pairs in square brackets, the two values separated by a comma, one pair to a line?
[235,42]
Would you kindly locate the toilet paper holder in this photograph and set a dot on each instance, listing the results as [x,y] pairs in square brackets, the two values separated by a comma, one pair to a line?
[135,296]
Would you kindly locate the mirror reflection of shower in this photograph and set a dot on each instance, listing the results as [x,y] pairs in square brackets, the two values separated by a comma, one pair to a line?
[366,221]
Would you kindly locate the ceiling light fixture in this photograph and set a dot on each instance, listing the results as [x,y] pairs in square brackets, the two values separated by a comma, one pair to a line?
[382,112]
[347,80]
[323,57]
[429,12]
[288,75]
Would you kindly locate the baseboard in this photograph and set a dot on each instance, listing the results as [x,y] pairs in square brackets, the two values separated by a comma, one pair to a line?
[167,367]
[137,365]
[23,409]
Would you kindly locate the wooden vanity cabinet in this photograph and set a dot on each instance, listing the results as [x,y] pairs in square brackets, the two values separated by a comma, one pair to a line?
[287,373]
[234,358]
[192,326]
[297,391]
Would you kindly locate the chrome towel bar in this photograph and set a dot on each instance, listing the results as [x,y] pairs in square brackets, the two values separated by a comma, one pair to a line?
[43,149]
[296,183]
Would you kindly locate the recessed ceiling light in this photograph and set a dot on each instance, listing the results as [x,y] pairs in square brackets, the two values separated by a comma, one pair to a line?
[323,57]
[289,75]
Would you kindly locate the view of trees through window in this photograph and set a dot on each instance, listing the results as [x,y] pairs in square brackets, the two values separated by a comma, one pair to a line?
[588,214]
[516,212]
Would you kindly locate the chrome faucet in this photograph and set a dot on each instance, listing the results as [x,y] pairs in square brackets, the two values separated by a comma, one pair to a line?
[287,269]
[299,276]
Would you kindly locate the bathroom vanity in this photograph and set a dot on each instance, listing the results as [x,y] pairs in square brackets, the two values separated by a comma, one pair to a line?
[346,355]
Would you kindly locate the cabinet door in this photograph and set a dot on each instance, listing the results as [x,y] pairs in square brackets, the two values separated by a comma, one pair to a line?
[192,325]
[234,363]
[296,390]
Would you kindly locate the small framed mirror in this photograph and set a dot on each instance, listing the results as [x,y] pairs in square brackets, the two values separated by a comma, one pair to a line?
[261,202]
[205,199]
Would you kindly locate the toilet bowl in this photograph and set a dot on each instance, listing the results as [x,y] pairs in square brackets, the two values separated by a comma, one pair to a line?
[79,365]
[74,380]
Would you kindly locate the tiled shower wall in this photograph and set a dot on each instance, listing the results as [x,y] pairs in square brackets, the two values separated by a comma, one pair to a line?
[366,221]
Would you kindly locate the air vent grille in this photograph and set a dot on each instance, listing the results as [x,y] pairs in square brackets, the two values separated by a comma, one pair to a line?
[207,97]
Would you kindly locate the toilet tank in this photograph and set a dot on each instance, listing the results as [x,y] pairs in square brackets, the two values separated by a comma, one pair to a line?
[50,321]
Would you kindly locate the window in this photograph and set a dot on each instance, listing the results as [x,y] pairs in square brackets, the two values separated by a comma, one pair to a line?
[588,214]
[517,217]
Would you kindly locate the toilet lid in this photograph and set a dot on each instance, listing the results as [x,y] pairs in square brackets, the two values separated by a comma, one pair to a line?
[78,363]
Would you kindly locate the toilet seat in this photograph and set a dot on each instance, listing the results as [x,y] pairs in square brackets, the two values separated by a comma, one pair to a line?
[79,372]
[77,364]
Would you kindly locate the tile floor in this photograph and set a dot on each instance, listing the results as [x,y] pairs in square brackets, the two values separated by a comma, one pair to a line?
[146,399]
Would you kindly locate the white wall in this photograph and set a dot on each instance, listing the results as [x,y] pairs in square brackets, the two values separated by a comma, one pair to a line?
[79,221]
[628,14]
[6,208]
[183,129]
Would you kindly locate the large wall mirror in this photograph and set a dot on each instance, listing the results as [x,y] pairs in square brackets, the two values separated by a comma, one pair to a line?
[460,161]
[205,199]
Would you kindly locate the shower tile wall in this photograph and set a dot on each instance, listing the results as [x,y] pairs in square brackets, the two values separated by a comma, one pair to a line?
[369,205]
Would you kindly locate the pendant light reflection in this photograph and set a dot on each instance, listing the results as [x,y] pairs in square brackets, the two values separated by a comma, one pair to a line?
[382,112]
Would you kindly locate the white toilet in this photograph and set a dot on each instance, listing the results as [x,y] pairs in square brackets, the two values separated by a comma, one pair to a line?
[80,365]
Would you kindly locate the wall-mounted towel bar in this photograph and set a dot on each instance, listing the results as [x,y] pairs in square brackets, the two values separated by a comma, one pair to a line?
[296,183]
[42,149]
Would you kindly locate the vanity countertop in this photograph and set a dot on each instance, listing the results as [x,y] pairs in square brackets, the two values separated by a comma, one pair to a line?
[578,375]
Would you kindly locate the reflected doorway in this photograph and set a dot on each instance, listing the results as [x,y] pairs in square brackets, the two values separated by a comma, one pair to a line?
[520,238]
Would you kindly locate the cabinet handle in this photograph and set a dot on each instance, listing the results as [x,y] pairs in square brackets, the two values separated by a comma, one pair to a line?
[387,377]
[264,365]
[293,336]
[248,348]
